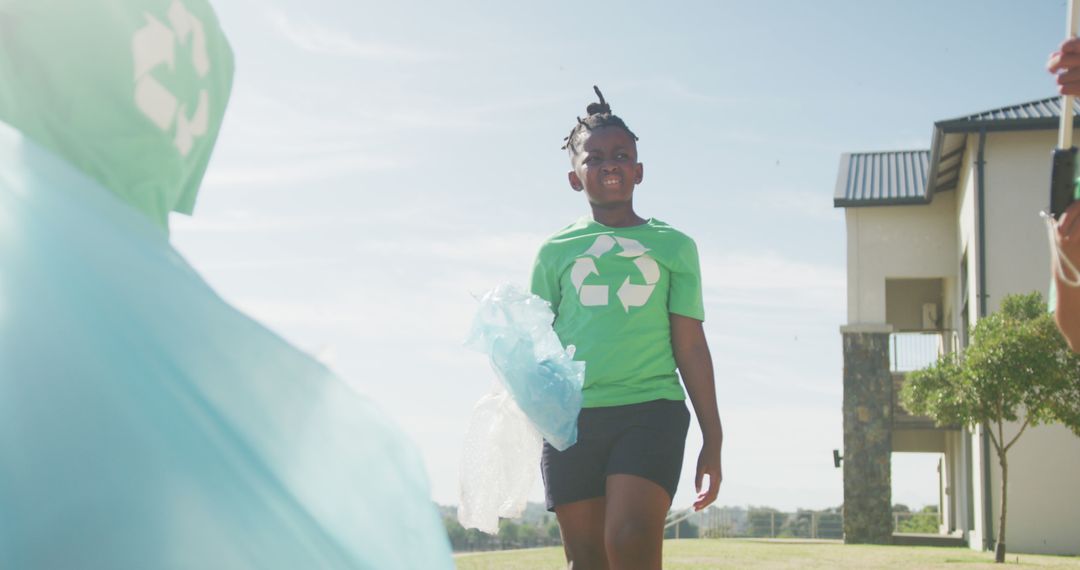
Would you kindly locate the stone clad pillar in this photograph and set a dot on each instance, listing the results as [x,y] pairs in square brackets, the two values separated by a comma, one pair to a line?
[867,461]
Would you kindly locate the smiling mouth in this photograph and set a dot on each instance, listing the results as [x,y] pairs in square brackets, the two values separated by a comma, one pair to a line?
[612,181]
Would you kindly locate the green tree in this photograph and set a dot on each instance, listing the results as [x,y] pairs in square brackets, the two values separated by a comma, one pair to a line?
[531,535]
[553,533]
[1018,368]
[686,529]
[793,525]
[509,533]
[456,533]
[925,521]
[763,522]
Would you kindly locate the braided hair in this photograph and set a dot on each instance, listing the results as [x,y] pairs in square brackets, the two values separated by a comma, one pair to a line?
[599,116]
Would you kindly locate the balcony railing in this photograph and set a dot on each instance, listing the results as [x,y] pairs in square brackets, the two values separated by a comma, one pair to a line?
[916,350]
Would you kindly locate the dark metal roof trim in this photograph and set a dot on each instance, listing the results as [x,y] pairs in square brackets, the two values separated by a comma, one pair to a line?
[844,203]
[882,188]
[882,179]
[1038,115]
[1033,115]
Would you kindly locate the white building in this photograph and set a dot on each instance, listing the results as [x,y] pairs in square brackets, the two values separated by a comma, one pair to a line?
[935,240]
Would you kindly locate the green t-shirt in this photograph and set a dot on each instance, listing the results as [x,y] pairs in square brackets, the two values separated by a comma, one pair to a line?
[612,290]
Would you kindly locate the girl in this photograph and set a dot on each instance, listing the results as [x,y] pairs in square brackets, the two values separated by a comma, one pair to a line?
[626,292]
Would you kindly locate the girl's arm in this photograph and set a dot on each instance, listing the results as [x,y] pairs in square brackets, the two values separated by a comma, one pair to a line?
[1067,305]
[695,366]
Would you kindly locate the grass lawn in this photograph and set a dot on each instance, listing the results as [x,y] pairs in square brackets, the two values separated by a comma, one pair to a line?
[707,554]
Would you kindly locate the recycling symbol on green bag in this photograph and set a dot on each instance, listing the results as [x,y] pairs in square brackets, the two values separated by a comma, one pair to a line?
[154,45]
[629,294]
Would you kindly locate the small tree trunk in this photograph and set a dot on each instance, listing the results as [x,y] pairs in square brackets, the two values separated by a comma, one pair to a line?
[999,549]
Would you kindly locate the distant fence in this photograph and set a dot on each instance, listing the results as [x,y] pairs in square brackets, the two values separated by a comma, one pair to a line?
[714,522]
[921,523]
[767,523]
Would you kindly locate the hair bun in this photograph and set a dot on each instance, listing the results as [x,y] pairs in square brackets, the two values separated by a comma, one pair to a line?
[599,115]
[598,109]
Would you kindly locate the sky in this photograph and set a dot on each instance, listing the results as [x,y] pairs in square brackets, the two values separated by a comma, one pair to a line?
[382,164]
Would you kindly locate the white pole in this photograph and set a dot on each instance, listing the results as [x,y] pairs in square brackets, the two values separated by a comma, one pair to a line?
[1065,129]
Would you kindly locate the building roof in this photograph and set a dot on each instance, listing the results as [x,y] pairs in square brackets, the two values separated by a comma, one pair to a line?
[1033,115]
[882,178]
[950,135]
[945,156]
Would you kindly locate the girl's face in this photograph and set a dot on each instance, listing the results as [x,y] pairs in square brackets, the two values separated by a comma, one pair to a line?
[606,166]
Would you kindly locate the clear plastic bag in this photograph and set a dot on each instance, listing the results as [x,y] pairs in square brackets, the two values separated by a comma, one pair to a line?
[538,394]
[500,463]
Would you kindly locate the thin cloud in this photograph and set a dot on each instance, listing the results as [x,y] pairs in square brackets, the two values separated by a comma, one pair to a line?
[294,171]
[476,249]
[321,40]
[770,272]
[254,221]
[288,119]
[802,202]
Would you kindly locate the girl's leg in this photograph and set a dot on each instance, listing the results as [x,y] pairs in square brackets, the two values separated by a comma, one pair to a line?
[634,522]
[582,527]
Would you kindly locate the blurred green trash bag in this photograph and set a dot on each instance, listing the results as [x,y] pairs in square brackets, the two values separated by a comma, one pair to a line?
[130,92]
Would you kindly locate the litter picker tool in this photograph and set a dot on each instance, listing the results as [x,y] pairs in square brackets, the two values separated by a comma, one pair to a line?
[1063,174]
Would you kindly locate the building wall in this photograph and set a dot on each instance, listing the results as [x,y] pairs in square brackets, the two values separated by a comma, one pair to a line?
[967,238]
[929,242]
[977,536]
[948,302]
[895,242]
[1018,260]
[1017,188]
[956,501]
[1017,181]
[1044,491]
[904,300]
[919,440]
[969,456]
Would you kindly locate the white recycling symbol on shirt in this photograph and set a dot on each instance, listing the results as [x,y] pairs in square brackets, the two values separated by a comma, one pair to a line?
[629,294]
[154,45]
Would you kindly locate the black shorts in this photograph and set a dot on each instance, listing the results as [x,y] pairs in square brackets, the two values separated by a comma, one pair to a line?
[645,439]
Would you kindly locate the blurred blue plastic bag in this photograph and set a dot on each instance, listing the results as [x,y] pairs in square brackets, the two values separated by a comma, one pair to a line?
[514,328]
[145,423]
[538,393]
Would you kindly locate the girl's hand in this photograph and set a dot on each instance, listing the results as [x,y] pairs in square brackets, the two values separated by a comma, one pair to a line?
[1068,233]
[1065,64]
[695,365]
[708,464]
[1068,228]
[1067,303]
